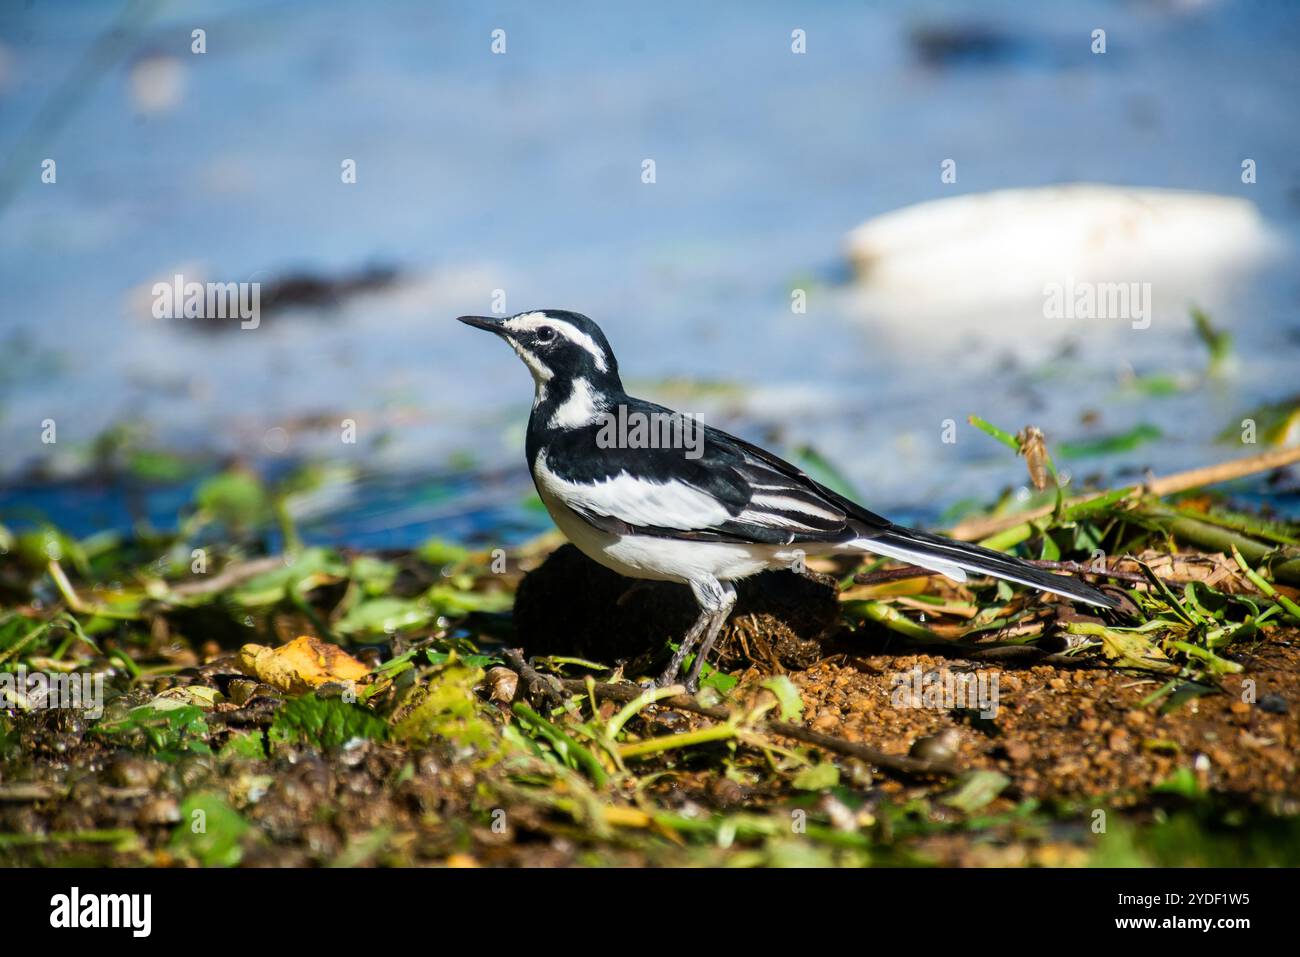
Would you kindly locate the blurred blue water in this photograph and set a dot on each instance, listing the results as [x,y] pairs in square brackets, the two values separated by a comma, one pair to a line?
[522,173]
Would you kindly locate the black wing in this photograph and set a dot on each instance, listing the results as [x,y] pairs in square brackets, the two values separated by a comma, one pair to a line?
[719,489]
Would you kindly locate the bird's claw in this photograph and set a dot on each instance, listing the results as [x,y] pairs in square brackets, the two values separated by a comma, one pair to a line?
[667,680]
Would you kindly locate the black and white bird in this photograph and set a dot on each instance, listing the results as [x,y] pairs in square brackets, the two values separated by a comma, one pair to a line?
[703,513]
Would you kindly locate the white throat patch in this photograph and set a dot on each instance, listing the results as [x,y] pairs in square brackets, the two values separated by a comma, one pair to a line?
[541,374]
[581,408]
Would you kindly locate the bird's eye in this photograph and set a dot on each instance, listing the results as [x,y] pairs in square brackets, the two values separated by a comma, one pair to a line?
[545,333]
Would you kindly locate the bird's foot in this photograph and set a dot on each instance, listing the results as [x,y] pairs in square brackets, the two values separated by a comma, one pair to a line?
[672,677]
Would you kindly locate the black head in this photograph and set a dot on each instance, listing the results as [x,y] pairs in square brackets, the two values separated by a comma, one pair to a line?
[557,345]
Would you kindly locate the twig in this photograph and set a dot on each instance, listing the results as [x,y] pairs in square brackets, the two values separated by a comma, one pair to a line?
[65,587]
[535,681]
[1079,568]
[230,575]
[892,575]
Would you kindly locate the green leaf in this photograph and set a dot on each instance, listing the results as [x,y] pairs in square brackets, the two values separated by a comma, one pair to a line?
[819,777]
[210,831]
[324,723]
[274,586]
[1217,341]
[438,552]
[1182,782]
[787,696]
[447,708]
[384,616]
[719,681]
[199,696]
[991,430]
[976,789]
[246,744]
[1109,444]
[1159,385]
[374,575]
[1178,694]
[1129,649]
[168,732]
[474,661]
[1276,423]
[457,601]
[235,498]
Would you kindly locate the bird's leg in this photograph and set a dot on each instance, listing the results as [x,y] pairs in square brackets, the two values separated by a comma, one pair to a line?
[669,676]
[715,600]
[715,628]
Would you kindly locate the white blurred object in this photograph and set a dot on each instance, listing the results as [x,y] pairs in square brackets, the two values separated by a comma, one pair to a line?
[157,83]
[1004,250]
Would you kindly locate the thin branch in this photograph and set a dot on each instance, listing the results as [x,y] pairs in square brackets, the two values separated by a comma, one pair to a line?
[884,575]
[230,575]
[534,681]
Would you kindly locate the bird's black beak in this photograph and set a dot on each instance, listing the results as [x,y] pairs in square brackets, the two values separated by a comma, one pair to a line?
[490,323]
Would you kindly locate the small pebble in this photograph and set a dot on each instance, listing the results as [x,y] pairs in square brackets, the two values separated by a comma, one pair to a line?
[936,747]
[131,772]
[504,683]
[1273,704]
[1019,752]
[240,690]
[160,810]
[727,793]
[827,720]
[859,773]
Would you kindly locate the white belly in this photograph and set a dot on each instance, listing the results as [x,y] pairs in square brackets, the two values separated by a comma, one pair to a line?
[666,559]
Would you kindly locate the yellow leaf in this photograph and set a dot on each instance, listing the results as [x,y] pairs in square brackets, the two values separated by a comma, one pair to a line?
[627,817]
[300,665]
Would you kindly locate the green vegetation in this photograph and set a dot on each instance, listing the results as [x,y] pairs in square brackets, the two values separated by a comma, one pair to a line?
[453,749]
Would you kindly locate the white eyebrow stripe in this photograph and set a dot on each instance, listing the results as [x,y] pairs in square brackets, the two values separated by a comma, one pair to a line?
[529,321]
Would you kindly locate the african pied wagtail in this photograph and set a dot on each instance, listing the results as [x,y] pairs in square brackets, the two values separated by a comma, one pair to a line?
[706,514]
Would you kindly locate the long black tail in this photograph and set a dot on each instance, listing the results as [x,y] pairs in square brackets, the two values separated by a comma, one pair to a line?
[945,556]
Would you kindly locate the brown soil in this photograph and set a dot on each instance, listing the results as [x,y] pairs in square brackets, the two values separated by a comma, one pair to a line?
[1080,732]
